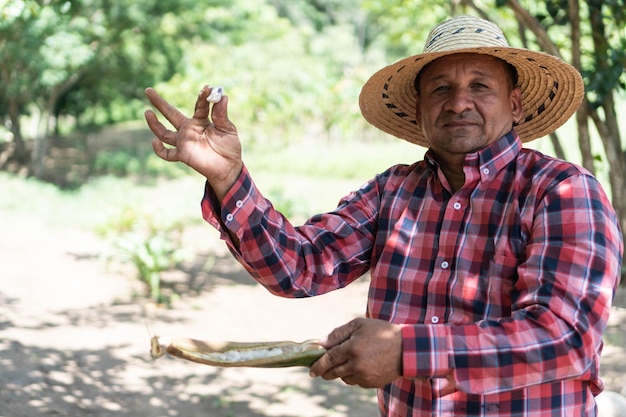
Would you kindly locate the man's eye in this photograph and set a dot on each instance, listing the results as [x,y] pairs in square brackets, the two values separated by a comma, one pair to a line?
[441,89]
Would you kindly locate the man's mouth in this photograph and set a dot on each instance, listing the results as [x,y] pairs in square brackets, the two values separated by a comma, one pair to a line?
[459,124]
[456,122]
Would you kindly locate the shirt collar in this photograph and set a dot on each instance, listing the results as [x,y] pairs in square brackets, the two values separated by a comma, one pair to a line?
[500,153]
[492,158]
[484,164]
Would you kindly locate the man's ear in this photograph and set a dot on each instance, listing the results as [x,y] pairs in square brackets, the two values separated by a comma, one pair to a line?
[516,104]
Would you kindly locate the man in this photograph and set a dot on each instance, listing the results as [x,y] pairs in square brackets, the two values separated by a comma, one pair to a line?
[493,267]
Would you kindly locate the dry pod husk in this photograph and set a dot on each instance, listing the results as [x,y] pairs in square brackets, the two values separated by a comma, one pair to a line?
[231,354]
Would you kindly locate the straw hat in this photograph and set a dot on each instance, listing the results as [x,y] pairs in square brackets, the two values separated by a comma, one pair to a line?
[552,90]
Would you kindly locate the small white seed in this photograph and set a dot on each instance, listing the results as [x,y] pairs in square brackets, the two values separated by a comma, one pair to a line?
[216,95]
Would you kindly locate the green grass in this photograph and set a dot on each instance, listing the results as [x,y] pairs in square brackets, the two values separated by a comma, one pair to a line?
[98,200]
[346,161]
[307,179]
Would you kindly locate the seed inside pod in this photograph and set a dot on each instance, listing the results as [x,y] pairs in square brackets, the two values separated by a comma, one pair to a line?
[216,95]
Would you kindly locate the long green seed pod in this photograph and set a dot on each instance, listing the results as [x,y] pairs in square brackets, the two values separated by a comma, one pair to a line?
[231,354]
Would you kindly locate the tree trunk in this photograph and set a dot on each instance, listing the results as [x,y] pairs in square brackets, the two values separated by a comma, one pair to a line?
[472,5]
[42,143]
[608,129]
[48,124]
[20,154]
[556,144]
[582,115]
[535,27]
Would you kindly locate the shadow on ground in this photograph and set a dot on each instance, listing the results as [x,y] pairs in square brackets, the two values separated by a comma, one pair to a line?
[50,382]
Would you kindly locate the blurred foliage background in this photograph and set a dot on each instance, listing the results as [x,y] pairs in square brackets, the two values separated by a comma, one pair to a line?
[73,72]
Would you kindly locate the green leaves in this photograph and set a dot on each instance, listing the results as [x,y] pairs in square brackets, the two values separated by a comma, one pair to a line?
[151,246]
[64,53]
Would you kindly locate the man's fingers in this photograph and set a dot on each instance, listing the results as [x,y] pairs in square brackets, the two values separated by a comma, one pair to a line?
[337,354]
[364,352]
[201,110]
[219,115]
[153,123]
[155,126]
[168,111]
[167,154]
[340,371]
[330,364]
[350,380]
[341,334]
[160,131]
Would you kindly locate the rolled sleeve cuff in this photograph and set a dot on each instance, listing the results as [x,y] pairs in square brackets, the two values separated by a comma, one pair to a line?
[425,351]
[234,210]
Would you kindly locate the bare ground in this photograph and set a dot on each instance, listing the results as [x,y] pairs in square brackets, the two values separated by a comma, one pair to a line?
[73,338]
[74,343]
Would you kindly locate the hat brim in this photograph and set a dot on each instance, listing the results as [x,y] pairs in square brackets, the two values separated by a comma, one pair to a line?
[552,91]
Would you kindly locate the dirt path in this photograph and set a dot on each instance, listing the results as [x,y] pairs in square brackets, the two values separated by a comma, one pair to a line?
[73,343]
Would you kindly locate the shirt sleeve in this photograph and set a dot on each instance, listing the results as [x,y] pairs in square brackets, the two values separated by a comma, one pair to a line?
[426,351]
[561,300]
[326,253]
[561,304]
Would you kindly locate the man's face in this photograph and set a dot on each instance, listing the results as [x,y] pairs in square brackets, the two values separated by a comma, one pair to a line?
[466,103]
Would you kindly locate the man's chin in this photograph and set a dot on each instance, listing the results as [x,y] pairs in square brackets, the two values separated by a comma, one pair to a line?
[464,144]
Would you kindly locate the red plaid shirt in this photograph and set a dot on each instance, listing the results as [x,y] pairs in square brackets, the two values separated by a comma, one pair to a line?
[503,288]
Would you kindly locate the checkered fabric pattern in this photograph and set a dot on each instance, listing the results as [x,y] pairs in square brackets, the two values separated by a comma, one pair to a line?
[503,288]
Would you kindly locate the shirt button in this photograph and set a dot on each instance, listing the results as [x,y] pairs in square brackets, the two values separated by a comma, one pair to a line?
[434,319]
[457,206]
[445,264]
[486,171]
[229,217]
[239,203]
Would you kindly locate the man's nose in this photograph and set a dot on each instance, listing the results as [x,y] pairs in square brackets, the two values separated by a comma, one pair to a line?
[459,101]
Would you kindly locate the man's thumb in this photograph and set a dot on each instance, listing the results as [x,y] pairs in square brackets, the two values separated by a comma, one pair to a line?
[219,115]
[340,334]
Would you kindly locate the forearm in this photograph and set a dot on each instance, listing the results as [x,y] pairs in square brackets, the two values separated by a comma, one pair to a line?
[289,261]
